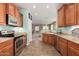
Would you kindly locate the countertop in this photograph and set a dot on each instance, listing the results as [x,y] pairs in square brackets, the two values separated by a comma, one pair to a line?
[67,37]
[2,39]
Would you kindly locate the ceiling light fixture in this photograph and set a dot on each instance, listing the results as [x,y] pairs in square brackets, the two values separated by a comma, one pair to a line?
[36,14]
[34,6]
[47,6]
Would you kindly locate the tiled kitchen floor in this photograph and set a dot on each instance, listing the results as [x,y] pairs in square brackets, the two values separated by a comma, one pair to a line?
[38,48]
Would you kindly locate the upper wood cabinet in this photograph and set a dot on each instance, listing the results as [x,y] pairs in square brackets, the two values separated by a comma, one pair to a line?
[17,14]
[11,9]
[61,16]
[77,13]
[2,14]
[70,14]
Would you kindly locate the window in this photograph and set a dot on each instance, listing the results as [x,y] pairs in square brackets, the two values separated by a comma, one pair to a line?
[52,27]
[45,27]
[36,28]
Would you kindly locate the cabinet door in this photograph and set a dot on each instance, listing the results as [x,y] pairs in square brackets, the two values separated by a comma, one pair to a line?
[11,10]
[7,51]
[50,39]
[63,46]
[17,14]
[61,16]
[70,12]
[77,13]
[73,49]
[72,52]
[45,38]
[2,14]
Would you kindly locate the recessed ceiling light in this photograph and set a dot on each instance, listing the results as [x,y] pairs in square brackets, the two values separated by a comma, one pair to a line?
[36,14]
[47,6]
[34,6]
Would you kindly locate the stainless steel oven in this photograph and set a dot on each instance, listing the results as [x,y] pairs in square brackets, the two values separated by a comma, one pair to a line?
[18,44]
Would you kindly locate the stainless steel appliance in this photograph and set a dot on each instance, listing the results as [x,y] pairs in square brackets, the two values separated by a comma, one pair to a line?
[5,33]
[18,44]
[18,40]
[11,21]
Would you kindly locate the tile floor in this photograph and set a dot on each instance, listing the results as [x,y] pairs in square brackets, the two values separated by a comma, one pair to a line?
[38,48]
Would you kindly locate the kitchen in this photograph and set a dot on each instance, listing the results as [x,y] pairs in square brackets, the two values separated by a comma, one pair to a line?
[26,29]
[62,32]
[14,29]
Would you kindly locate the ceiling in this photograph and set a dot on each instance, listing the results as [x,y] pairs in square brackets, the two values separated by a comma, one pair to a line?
[42,13]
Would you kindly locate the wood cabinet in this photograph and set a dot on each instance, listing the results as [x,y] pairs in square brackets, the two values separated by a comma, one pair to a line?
[73,49]
[6,48]
[61,16]
[70,14]
[2,14]
[7,51]
[18,16]
[57,43]
[45,38]
[77,13]
[11,10]
[63,46]
[48,38]
[51,39]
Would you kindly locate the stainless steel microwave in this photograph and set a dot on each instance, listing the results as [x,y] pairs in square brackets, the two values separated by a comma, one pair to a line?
[12,21]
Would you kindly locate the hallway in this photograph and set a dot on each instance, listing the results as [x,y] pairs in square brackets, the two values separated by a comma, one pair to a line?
[38,48]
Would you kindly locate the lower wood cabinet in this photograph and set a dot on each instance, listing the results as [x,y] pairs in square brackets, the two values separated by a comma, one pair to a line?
[63,46]
[48,38]
[7,51]
[45,37]
[6,48]
[73,49]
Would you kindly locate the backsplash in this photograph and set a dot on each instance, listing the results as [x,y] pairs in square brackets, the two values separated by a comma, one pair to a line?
[68,30]
[16,29]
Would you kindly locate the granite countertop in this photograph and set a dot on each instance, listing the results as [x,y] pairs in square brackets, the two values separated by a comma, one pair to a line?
[67,37]
[2,39]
